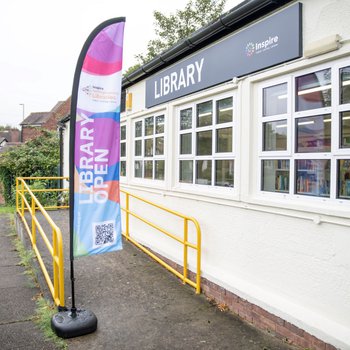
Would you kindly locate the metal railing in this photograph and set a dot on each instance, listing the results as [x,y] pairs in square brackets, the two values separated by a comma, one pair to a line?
[183,240]
[26,201]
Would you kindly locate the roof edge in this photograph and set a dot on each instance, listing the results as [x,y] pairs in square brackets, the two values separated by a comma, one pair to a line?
[239,16]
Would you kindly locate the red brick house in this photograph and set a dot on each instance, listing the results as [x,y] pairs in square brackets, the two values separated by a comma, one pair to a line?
[37,121]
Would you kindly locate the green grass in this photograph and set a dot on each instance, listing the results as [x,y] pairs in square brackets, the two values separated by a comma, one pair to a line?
[7,210]
[44,312]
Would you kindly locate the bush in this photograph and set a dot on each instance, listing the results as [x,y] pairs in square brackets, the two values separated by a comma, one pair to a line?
[37,157]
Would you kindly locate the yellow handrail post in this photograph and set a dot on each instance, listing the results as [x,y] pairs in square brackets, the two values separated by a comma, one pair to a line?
[55,266]
[22,197]
[127,217]
[33,223]
[55,247]
[61,265]
[16,193]
[199,253]
[185,249]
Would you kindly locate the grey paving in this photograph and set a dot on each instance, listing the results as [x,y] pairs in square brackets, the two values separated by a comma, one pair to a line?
[139,305]
[17,298]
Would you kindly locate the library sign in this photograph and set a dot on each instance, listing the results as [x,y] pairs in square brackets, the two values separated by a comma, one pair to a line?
[272,41]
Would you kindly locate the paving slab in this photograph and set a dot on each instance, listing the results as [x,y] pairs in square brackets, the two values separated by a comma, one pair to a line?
[141,306]
[23,335]
[17,296]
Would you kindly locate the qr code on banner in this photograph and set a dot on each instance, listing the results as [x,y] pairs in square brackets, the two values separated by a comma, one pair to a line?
[104,233]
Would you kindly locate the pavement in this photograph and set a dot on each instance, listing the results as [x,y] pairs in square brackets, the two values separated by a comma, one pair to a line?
[138,304]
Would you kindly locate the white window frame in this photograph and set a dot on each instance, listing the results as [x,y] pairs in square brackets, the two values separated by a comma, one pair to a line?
[154,157]
[202,188]
[334,155]
[124,158]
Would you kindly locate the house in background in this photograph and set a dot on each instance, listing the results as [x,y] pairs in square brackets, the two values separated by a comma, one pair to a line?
[38,121]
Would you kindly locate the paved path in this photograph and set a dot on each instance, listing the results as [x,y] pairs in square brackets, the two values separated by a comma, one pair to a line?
[17,304]
[140,305]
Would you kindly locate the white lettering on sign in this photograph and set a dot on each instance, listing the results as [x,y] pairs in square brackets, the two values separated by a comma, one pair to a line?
[93,164]
[187,76]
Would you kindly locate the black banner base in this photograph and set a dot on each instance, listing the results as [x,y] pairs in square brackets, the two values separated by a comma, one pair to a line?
[71,324]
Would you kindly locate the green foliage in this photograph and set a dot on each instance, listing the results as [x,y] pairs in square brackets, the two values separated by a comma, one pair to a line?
[37,157]
[44,312]
[132,69]
[171,29]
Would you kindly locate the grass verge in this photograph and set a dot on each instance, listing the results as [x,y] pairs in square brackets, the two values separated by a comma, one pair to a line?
[44,312]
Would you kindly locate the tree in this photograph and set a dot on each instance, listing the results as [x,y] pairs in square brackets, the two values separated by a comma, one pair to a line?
[37,157]
[171,29]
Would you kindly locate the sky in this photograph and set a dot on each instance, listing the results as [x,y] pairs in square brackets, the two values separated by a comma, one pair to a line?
[41,41]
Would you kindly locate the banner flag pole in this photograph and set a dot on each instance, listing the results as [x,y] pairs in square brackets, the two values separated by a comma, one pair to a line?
[95,219]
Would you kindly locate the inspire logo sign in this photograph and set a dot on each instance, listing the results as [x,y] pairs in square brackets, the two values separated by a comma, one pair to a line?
[262,46]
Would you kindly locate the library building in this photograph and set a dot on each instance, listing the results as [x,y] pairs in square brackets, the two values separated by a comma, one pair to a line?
[245,126]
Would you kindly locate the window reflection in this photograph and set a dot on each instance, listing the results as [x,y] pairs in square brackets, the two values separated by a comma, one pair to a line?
[275,100]
[313,90]
[344,178]
[275,136]
[205,114]
[224,171]
[345,85]
[345,129]
[314,134]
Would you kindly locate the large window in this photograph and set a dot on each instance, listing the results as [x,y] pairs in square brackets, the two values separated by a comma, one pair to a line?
[149,156]
[305,134]
[206,143]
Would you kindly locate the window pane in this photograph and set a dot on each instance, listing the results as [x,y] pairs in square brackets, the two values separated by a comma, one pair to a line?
[138,129]
[275,100]
[313,90]
[314,134]
[345,85]
[123,132]
[275,175]
[148,147]
[138,148]
[313,177]
[123,149]
[186,171]
[148,169]
[149,123]
[205,114]
[224,111]
[123,168]
[345,129]
[224,170]
[138,168]
[203,172]
[159,166]
[275,136]
[344,178]
[224,140]
[159,146]
[185,143]
[204,143]
[160,124]
[186,119]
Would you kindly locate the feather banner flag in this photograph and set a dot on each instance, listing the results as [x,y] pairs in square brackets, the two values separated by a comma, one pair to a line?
[95,219]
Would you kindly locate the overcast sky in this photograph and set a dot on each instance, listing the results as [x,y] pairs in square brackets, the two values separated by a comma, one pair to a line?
[42,39]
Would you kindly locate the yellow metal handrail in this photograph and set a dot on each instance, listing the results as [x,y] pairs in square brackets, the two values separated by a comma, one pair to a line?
[183,240]
[56,286]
